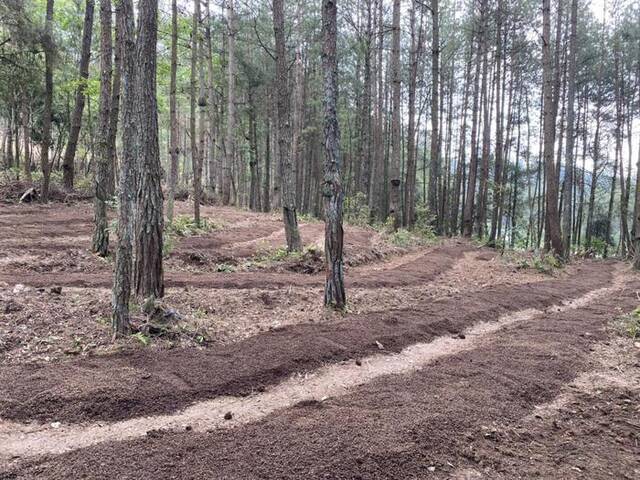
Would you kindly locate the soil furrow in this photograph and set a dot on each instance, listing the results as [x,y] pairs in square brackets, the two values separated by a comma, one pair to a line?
[433,423]
[422,271]
[331,381]
[128,385]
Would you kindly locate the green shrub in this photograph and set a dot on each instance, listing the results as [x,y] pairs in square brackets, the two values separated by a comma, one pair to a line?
[543,263]
[411,238]
[185,226]
[629,325]
[225,268]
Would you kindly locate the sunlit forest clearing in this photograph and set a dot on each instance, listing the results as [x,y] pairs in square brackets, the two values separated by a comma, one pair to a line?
[346,239]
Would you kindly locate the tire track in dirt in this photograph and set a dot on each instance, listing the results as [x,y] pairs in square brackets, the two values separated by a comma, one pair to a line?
[128,385]
[336,380]
[429,423]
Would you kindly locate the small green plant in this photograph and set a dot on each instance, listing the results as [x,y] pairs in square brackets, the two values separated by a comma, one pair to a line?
[142,338]
[225,268]
[168,244]
[629,325]
[543,263]
[185,226]
[402,238]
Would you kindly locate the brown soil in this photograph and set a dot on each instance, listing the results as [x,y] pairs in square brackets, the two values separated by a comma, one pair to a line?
[460,376]
[468,415]
[149,382]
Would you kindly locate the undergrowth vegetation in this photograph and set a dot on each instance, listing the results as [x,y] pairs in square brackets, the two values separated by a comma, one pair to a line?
[185,226]
[629,325]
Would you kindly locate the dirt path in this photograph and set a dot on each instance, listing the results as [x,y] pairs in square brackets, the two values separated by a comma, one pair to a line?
[469,413]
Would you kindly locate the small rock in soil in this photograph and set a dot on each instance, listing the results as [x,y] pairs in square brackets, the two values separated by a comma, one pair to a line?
[380,346]
[57,290]
[20,288]
[461,336]
[358,363]
[228,416]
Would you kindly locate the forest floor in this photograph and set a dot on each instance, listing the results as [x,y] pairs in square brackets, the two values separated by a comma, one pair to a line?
[453,361]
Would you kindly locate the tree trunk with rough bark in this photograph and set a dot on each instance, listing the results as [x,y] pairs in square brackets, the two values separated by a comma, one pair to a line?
[76,118]
[230,145]
[567,203]
[284,133]
[148,275]
[396,140]
[409,211]
[334,292]
[434,174]
[498,172]
[126,188]
[298,117]
[552,220]
[48,47]
[469,205]
[202,118]
[193,96]
[104,159]
[174,149]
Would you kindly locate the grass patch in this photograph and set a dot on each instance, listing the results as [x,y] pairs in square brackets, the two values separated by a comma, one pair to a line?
[184,226]
[142,338]
[629,325]
[540,262]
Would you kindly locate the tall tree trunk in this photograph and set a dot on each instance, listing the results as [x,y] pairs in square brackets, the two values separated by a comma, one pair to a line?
[568,166]
[213,123]
[497,179]
[377,166]
[193,85]
[366,121]
[48,47]
[266,187]
[254,190]
[202,118]
[148,276]
[126,190]
[460,168]
[230,146]
[114,112]
[486,125]
[468,214]
[552,220]
[174,149]
[619,100]
[409,216]
[636,219]
[76,117]
[284,133]
[298,117]
[104,159]
[434,174]
[396,143]
[334,293]
[26,135]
